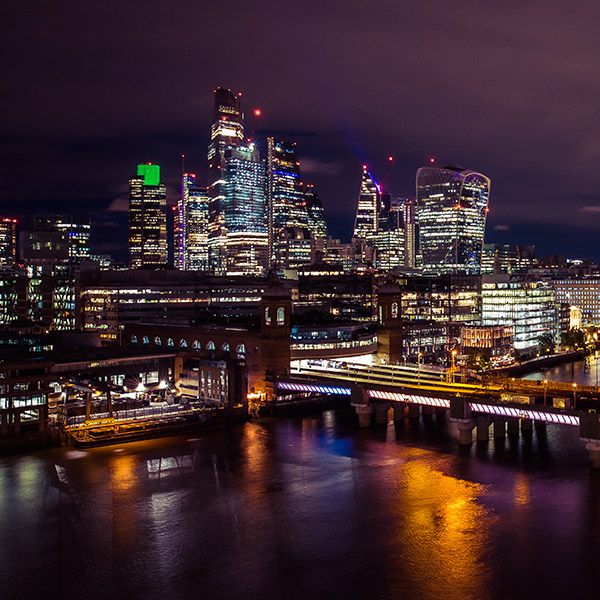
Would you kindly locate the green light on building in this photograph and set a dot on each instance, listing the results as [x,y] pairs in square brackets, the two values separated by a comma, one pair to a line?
[150,173]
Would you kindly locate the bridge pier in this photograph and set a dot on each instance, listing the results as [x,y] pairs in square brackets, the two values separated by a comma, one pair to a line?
[364,413]
[483,429]
[499,428]
[513,427]
[465,431]
[526,426]
[540,426]
[413,411]
[427,410]
[593,448]
[381,414]
[399,411]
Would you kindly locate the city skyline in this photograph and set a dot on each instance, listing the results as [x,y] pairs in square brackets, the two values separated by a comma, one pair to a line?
[509,125]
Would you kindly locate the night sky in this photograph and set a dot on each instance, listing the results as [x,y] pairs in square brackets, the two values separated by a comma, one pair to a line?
[508,88]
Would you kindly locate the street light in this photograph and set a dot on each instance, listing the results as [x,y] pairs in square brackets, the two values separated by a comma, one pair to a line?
[574,396]
[453,357]
[419,356]
[545,390]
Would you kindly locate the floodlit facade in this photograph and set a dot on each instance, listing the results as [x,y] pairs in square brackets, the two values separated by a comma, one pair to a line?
[226,132]
[529,307]
[147,218]
[452,205]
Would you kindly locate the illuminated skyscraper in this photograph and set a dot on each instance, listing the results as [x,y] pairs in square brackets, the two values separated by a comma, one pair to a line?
[285,190]
[369,208]
[316,215]
[452,205]
[191,226]
[243,215]
[8,241]
[147,218]
[227,131]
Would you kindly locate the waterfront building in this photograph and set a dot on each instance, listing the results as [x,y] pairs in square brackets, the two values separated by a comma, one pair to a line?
[582,294]
[243,212]
[529,307]
[491,340]
[147,218]
[452,205]
[287,203]
[8,241]
[226,132]
[191,225]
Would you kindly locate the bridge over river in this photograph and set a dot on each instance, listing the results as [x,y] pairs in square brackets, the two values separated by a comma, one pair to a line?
[508,405]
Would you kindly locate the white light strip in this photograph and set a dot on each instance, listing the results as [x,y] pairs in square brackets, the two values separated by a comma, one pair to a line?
[409,398]
[525,413]
[321,389]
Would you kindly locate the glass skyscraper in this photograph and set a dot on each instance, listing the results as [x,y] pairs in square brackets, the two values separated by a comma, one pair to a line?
[227,131]
[366,225]
[243,218]
[8,241]
[452,205]
[286,194]
[147,218]
[76,230]
[316,214]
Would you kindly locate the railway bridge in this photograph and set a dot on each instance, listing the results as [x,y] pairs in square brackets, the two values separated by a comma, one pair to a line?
[507,405]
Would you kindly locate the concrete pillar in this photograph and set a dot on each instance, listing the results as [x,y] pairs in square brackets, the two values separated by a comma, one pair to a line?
[465,431]
[513,427]
[88,405]
[427,410]
[593,448]
[364,415]
[413,411]
[483,429]
[381,414]
[109,403]
[499,428]
[526,426]
[399,411]
[540,426]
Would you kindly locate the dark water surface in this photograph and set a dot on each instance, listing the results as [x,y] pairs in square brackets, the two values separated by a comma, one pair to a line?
[303,508]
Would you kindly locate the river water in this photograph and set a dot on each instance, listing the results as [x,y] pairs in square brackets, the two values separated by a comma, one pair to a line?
[578,372]
[303,508]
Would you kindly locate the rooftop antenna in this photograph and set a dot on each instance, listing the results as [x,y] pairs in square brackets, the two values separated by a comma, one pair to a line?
[183,163]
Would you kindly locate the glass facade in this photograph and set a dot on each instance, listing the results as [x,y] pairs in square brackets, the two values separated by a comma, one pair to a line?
[191,226]
[452,205]
[369,208]
[8,241]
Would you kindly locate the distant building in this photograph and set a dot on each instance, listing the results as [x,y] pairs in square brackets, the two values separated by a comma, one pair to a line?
[452,205]
[76,230]
[147,218]
[316,214]
[8,241]
[191,226]
[505,258]
[583,294]
[409,211]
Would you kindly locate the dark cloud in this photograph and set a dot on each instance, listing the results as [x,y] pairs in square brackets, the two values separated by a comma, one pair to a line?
[508,88]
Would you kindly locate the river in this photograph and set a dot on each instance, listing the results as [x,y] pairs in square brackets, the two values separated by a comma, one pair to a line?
[303,508]
[576,372]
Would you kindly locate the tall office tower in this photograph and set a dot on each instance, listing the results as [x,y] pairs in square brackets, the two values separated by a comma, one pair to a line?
[8,241]
[452,205]
[409,211]
[76,231]
[285,193]
[316,214]
[369,208]
[191,226]
[227,131]
[147,218]
[243,212]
